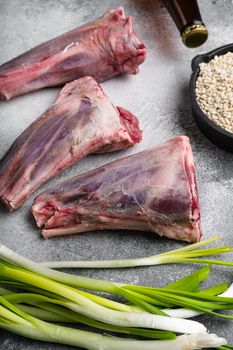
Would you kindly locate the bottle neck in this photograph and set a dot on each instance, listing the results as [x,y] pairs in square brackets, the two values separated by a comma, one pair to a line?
[187,17]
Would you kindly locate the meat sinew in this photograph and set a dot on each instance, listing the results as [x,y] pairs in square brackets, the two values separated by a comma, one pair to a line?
[154,190]
[103,48]
[81,121]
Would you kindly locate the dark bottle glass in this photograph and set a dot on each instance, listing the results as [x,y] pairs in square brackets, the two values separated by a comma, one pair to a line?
[187,17]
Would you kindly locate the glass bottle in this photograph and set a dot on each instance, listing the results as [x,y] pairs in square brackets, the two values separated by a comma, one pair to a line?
[187,17]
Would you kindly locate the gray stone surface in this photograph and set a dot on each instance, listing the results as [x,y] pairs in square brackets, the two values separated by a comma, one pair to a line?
[159,96]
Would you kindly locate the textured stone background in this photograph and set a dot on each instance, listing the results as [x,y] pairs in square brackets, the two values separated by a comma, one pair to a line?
[159,96]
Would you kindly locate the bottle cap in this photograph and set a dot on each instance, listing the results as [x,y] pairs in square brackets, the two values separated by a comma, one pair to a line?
[194,35]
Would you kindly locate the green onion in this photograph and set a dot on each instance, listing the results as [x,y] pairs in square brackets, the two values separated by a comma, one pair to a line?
[79,281]
[15,320]
[83,305]
[52,297]
[48,310]
[188,254]
[143,296]
[89,283]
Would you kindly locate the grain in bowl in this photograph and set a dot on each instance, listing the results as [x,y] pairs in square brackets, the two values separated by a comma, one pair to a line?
[214,90]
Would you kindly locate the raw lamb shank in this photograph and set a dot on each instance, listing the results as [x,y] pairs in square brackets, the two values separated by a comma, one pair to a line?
[154,190]
[81,121]
[102,49]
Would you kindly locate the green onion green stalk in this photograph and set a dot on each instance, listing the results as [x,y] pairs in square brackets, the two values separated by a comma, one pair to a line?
[187,254]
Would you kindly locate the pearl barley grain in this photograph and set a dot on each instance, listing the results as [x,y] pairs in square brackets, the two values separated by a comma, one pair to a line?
[214,90]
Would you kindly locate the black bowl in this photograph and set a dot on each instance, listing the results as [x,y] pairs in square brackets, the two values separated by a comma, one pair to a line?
[212,131]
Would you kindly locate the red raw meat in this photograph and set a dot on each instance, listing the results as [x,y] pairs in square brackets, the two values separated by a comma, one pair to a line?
[81,121]
[154,190]
[102,49]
